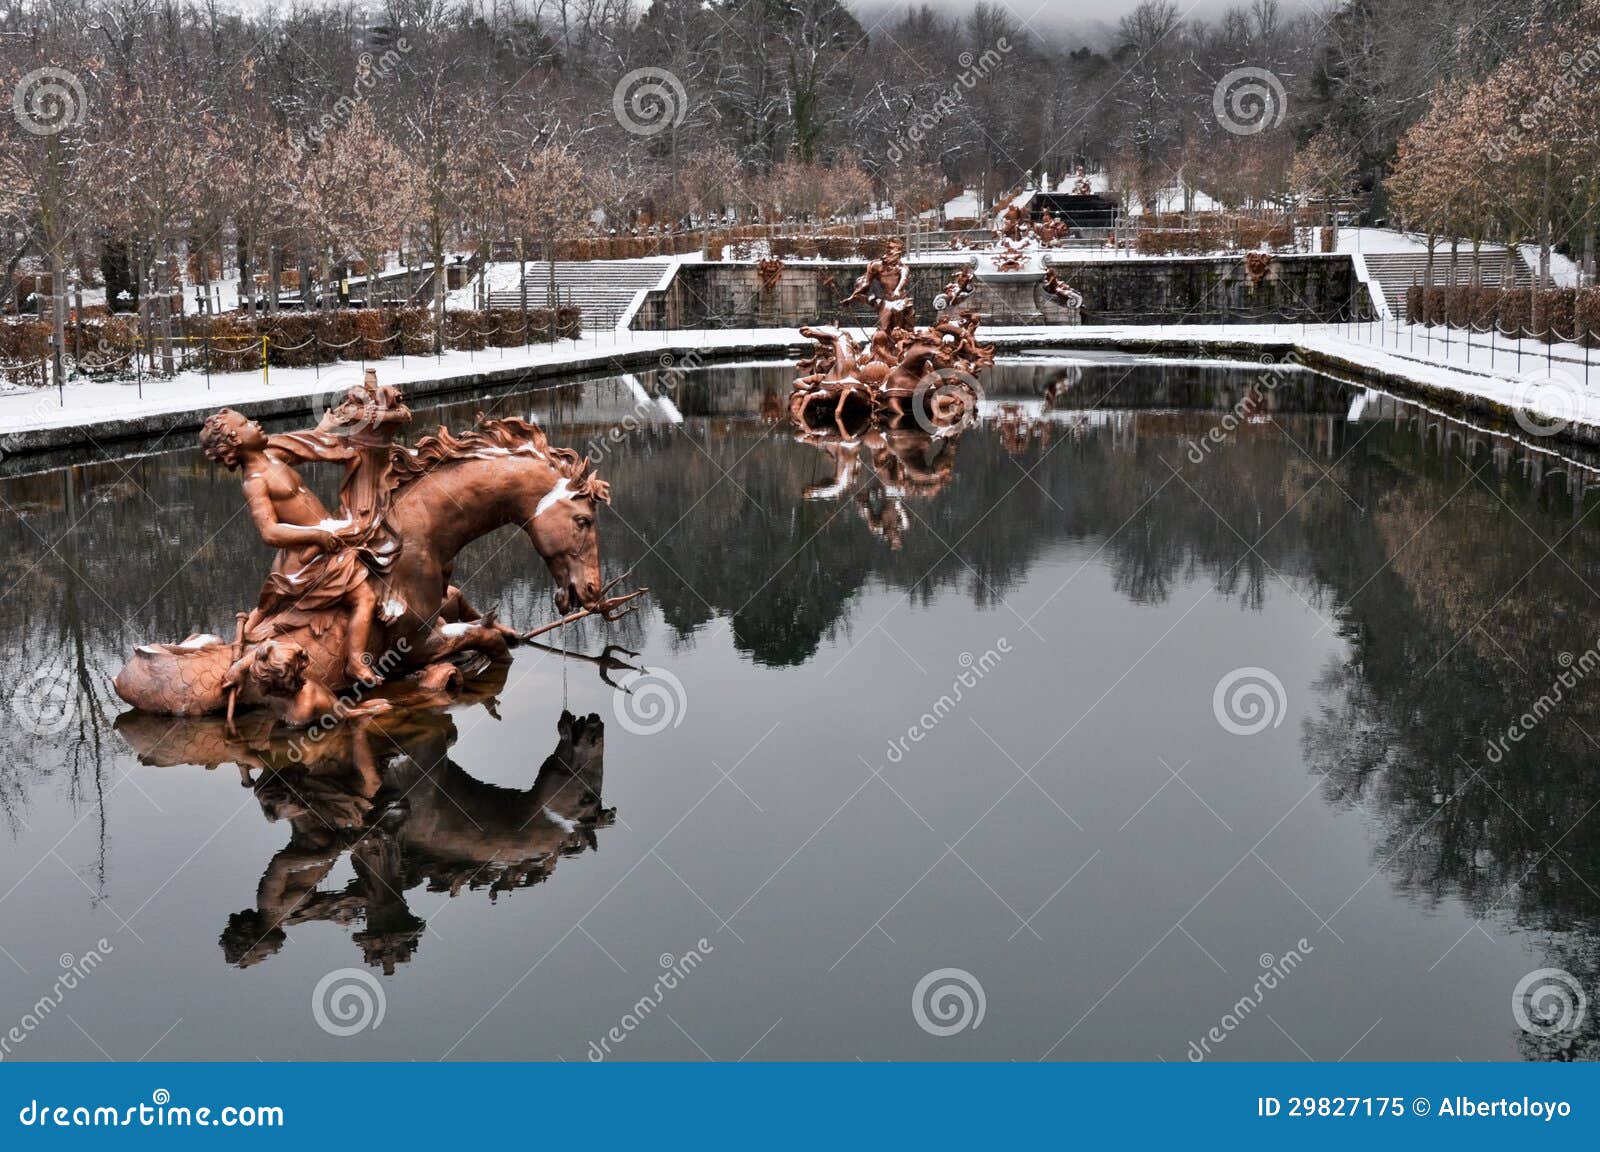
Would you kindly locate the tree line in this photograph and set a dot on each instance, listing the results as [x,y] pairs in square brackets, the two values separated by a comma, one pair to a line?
[157,142]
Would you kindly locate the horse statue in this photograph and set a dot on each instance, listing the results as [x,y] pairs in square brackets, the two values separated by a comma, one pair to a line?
[367,596]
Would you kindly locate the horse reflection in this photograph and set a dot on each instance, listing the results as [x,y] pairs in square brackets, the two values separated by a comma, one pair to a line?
[905,462]
[390,795]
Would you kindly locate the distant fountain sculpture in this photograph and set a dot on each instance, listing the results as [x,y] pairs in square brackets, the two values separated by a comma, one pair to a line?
[363,596]
[957,290]
[903,392]
[1059,290]
[904,372]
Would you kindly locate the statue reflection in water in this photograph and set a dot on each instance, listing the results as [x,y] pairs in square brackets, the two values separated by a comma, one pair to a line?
[905,462]
[386,791]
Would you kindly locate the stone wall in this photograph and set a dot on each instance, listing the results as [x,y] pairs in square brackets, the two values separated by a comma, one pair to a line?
[1190,290]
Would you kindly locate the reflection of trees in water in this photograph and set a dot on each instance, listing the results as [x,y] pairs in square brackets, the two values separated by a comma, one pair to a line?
[1455,639]
[55,668]
[1412,560]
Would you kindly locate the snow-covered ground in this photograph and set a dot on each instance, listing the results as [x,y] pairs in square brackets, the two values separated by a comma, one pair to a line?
[1549,391]
[963,206]
[502,276]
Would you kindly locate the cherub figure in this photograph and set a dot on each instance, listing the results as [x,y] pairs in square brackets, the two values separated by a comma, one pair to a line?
[317,570]
[1060,290]
[276,669]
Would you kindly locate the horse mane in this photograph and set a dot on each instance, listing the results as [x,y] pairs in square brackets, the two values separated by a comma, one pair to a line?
[490,438]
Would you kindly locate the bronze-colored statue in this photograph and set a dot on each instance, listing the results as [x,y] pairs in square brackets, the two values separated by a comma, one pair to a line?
[885,278]
[1059,290]
[354,599]
[957,290]
[905,372]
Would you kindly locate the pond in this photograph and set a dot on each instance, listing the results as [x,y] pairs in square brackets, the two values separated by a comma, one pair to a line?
[1086,734]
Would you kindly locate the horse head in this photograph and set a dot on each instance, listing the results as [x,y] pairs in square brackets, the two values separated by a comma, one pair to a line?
[565,532]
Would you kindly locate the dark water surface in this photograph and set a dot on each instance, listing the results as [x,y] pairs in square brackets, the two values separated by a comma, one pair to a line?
[1079,832]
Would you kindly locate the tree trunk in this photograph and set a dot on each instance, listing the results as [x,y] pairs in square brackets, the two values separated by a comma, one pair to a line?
[247,279]
[1545,226]
[551,300]
[58,315]
[164,303]
[436,241]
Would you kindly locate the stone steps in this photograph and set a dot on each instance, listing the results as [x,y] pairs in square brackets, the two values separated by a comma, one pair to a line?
[1397,271]
[601,289]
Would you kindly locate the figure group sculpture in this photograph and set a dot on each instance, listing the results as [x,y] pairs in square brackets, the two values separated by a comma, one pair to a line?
[926,374]
[365,595]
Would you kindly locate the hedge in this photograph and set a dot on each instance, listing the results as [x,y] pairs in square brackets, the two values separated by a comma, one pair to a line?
[232,342]
[1553,315]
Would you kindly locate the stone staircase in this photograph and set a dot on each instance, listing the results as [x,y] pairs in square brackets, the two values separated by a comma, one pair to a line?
[601,289]
[1397,271]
